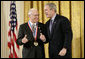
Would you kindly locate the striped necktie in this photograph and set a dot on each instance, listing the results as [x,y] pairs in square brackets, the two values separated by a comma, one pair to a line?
[33,29]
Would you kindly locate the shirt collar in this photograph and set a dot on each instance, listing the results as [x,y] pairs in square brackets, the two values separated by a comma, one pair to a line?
[53,17]
[32,23]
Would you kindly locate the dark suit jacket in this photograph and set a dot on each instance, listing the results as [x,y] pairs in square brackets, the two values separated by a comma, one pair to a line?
[29,50]
[61,36]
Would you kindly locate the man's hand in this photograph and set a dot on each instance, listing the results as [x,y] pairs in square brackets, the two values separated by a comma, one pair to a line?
[42,37]
[24,40]
[63,52]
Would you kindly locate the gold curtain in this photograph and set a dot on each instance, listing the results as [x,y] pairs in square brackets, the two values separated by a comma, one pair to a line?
[74,11]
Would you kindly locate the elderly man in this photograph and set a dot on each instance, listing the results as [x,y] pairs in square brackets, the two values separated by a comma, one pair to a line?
[59,33]
[31,36]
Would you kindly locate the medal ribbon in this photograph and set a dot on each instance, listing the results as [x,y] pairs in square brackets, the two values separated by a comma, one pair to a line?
[35,35]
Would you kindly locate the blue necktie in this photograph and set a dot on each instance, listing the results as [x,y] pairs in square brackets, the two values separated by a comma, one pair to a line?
[51,23]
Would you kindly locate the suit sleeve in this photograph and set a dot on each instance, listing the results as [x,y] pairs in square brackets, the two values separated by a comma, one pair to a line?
[22,32]
[20,36]
[45,33]
[66,28]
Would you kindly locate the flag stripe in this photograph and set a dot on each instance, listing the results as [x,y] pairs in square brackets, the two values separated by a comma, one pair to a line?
[15,40]
[12,33]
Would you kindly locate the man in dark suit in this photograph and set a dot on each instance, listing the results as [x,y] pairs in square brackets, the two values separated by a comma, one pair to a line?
[59,33]
[31,36]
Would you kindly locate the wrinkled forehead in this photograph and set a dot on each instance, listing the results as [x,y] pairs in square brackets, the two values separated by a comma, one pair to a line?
[34,11]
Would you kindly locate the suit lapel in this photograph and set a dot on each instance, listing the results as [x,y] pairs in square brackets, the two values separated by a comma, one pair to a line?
[38,32]
[53,26]
[48,31]
[29,29]
[29,32]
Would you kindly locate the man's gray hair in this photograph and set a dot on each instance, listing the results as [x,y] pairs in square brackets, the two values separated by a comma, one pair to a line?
[31,11]
[52,6]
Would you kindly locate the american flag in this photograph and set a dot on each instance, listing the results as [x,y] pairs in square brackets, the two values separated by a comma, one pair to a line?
[12,33]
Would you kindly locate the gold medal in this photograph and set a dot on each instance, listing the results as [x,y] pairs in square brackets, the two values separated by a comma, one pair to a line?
[36,43]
